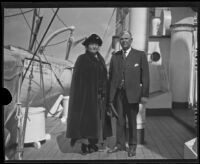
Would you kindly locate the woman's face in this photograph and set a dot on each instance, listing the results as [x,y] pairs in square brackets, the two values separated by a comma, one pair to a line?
[93,48]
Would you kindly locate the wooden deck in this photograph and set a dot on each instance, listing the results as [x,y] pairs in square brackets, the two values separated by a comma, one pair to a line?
[164,139]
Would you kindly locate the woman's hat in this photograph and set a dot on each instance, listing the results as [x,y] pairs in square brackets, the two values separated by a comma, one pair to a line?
[92,39]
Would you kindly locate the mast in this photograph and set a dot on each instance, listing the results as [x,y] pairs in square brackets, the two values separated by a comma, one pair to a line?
[118,30]
[21,138]
[138,26]
[121,24]
[33,24]
[37,20]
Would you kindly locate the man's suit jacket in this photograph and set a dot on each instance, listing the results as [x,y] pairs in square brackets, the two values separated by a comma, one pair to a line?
[136,75]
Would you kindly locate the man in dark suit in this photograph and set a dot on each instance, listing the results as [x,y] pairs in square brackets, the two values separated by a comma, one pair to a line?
[129,86]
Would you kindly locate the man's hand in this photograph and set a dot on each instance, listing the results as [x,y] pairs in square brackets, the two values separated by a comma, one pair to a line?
[144,100]
[110,103]
[109,112]
[112,111]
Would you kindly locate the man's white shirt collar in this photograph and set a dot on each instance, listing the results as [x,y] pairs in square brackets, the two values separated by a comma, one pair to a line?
[127,51]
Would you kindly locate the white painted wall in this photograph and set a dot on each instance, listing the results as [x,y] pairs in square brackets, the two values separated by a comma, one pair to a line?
[158,80]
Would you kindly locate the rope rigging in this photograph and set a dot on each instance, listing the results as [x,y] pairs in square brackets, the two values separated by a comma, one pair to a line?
[25,19]
[41,75]
[117,25]
[40,43]
[37,40]
[119,22]
[21,131]
[22,127]
[59,19]
[106,30]
[109,22]
[17,14]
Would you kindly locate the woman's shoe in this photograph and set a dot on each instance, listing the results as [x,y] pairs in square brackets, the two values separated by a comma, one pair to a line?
[72,142]
[92,148]
[84,148]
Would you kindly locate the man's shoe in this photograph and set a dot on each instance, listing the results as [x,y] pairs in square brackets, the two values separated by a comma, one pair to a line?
[131,152]
[102,147]
[115,149]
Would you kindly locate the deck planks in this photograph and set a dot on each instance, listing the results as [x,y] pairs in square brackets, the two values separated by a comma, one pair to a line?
[165,135]
[151,144]
[174,138]
[164,139]
[158,138]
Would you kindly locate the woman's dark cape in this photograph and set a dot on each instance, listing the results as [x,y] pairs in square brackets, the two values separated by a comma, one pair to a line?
[83,114]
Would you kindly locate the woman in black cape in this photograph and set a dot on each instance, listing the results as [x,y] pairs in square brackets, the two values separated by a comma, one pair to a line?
[87,112]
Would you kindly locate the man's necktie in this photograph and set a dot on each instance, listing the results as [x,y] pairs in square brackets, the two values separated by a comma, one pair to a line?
[124,55]
[122,85]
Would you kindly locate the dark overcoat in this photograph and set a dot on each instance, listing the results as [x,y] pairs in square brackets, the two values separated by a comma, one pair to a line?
[89,82]
[136,74]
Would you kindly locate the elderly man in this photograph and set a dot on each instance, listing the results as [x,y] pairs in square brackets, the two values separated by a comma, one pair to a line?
[129,86]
